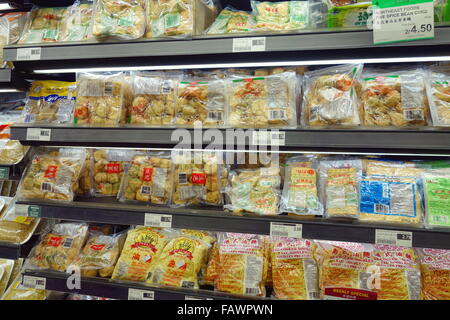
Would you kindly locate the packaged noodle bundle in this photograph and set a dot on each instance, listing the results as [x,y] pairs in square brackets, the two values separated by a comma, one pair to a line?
[11,27]
[85,180]
[15,271]
[231,20]
[53,175]
[170,18]
[142,248]
[44,25]
[17,291]
[119,19]
[77,23]
[148,179]
[154,99]
[437,199]
[16,227]
[180,263]
[6,267]
[394,99]
[438,92]
[255,191]
[339,179]
[102,99]
[213,266]
[331,95]
[201,101]
[388,167]
[263,102]
[435,273]
[285,15]
[300,195]
[11,151]
[243,264]
[58,248]
[294,271]
[196,179]
[50,101]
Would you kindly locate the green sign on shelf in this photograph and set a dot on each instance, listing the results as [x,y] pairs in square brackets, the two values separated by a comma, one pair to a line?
[34,211]
[4,173]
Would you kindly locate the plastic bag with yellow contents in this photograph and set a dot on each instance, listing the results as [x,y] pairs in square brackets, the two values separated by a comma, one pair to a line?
[435,271]
[18,292]
[6,267]
[285,15]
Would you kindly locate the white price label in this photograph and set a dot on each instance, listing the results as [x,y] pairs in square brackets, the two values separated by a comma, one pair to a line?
[402,20]
[137,294]
[158,220]
[21,210]
[393,237]
[269,138]
[33,282]
[249,44]
[39,134]
[24,54]
[291,230]
[196,298]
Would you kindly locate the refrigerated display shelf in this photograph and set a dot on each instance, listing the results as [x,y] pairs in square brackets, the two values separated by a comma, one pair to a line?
[103,210]
[15,251]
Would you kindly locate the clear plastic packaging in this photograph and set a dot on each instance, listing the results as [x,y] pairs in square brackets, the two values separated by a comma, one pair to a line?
[15,228]
[231,20]
[119,19]
[50,101]
[331,96]
[263,102]
[18,292]
[53,175]
[281,16]
[43,25]
[300,191]
[438,92]
[85,181]
[15,271]
[170,18]
[11,151]
[435,273]
[351,15]
[78,22]
[212,268]
[148,179]
[294,271]
[395,99]
[339,178]
[201,101]
[389,167]
[11,27]
[254,191]
[437,199]
[6,267]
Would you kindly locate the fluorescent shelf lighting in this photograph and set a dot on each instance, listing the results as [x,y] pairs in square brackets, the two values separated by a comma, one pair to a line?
[5,6]
[249,64]
[9,90]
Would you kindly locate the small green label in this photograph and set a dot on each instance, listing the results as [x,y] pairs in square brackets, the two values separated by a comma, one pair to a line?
[172,20]
[125,23]
[51,34]
[34,211]
[4,173]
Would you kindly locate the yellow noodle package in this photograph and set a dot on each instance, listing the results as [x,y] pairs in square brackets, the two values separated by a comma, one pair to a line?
[18,292]
[212,268]
[435,272]
[438,91]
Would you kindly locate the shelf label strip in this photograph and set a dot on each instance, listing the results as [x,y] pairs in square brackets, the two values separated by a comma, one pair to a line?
[39,134]
[138,294]
[34,282]
[393,237]
[158,220]
[291,230]
[253,44]
[26,54]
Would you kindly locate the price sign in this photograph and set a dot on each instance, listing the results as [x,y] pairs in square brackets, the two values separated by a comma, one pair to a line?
[158,220]
[4,173]
[291,230]
[269,138]
[33,282]
[137,294]
[39,134]
[402,20]
[26,54]
[393,237]
[249,44]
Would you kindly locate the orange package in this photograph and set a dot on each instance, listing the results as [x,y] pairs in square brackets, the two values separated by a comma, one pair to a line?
[435,270]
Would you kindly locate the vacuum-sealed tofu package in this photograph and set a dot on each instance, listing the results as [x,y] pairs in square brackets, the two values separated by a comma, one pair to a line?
[395,99]
[300,192]
[437,199]
[339,180]
[212,268]
[391,168]
[148,179]
[331,96]
[438,92]
[231,20]
[263,102]
[85,181]
[6,267]
[170,18]
[77,23]
[119,19]
[43,25]
[15,226]
[281,16]
[435,273]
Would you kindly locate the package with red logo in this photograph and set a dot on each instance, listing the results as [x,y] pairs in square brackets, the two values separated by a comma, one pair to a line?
[180,262]
[11,151]
[294,270]
[142,248]
[148,179]
[58,248]
[16,227]
[300,192]
[53,175]
[281,16]
[196,178]
[435,273]
[243,264]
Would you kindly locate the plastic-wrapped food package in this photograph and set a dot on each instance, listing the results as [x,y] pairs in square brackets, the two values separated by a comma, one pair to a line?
[349,16]
[180,263]
[438,92]
[18,292]
[102,99]
[16,227]
[142,248]
[44,25]
[388,167]
[154,99]
[437,199]
[441,10]
[254,191]
[119,19]
[50,101]
[58,248]
[170,18]
[15,271]
[285,15]
[85,180]
[6,267]
[231,20]
[77,23]
[11,27]
[201,101]
[294,270]
[212,268]
[339,180]
[148,179]
[435,273]
[331,96]
[263,102]
[243,264]
[300,192]
[196,179]
[53,175]
[11,151]
[394,99]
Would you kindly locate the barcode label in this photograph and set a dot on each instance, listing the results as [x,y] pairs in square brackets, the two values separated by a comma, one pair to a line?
[158,220]
[146,190]
[215,115]
[381,208]
[277,115]
[252,291]
[108,89]
[39,134]
[33,282]
[24,54]
[393,237]
[46,187]
[291,230]
[269,138]
[137,294]
[249,44]
[68,243]
[412,115]
[182,178]
[187,284]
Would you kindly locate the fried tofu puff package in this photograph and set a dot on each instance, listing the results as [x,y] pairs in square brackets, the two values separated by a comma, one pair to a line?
[281,16]
[231,20]
[331,96]
[435,272]
[243,264]
[438,91]
[148,179]
[263,102]
[395,99]
[43,25]
[300,191]
[77,23]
